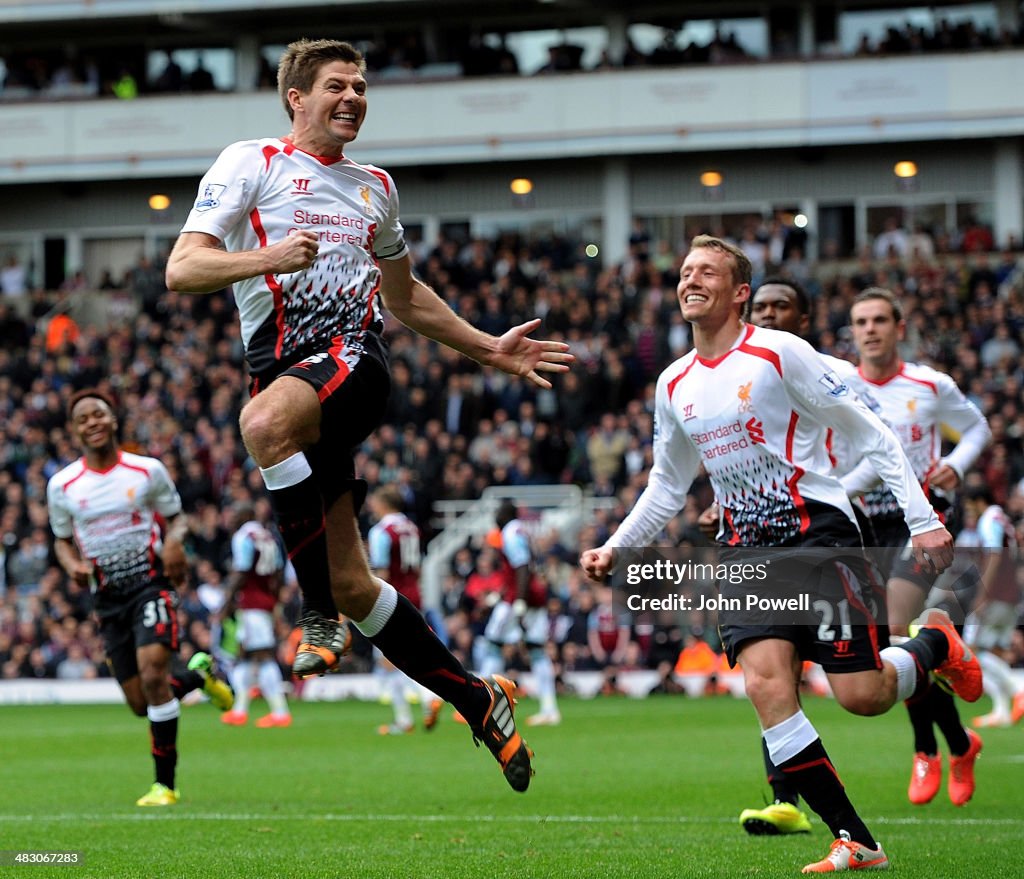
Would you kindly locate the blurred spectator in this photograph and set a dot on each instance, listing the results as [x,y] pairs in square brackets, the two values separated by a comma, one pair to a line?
[76,666]
[606,449]
[125,87]
[171,78]
[977,237]
[200,79]
[13,277]
[893,240]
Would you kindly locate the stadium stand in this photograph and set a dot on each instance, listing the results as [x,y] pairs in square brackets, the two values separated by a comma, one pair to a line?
[78,305]
[179,380]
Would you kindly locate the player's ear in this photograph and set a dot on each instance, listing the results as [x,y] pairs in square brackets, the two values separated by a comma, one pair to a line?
[741,296]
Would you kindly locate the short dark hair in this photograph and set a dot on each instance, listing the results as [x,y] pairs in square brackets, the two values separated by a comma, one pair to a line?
[803,301]
[871,293]
[302,60]
[742,270]
[506,512]
[90,394]
[979,492]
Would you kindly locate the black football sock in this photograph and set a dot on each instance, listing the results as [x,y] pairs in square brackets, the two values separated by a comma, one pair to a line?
[183,679]
[299,510]
[163,731]
[812,774]
[408,642]
[946,716]
[920,711]
[782,790]
[929,649]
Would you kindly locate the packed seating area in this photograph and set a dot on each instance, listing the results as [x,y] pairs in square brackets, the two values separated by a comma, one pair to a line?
[178,376]
[61,71]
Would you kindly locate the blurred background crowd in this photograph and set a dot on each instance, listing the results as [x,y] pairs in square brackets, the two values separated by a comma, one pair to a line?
[57,71]
[176,370]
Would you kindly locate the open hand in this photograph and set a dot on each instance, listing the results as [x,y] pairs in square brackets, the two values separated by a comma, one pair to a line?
[518,355]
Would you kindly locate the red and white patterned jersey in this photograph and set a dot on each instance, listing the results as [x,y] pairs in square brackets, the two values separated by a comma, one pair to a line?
[917,403]
[256,554]
[112,515]
[394,545]
[757,418]
[260,190]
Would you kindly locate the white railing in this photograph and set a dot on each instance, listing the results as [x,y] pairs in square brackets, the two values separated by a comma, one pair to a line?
[562,509]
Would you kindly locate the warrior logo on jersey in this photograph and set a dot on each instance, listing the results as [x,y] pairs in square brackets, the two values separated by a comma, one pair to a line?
[743,392]
[833,384]
[688,412]
[302,186]
[755,430]
[211,196]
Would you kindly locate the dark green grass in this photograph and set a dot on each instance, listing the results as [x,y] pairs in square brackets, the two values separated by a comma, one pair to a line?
[624,788]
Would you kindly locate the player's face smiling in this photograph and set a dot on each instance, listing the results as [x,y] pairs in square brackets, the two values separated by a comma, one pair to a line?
[707,289]
[875,330]
[93,424]
[331,115]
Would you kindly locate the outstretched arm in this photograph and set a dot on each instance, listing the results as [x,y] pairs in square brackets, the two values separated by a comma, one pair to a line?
[420,308]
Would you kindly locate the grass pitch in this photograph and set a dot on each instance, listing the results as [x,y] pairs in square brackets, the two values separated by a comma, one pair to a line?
[624,788]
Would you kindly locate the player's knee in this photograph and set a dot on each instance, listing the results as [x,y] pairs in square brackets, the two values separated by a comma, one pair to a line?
[155,687]
[262,427]
[765,689]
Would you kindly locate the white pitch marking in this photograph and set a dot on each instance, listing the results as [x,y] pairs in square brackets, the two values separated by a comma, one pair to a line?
[181,815]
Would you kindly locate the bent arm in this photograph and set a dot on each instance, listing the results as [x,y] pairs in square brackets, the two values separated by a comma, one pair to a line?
[966,419]
[70,559]
[838,408]
[200,264]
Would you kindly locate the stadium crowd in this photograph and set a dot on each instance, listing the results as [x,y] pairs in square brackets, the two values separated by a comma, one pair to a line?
[59,72]
[178,376]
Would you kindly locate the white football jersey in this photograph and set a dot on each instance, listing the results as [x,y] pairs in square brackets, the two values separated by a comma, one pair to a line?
[255,194]
[112,516]
[917,403]
[758,418]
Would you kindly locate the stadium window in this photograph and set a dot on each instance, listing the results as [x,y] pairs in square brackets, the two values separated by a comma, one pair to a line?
[577,48]
[660,44]
[207,69]
[863,31]
[837,231]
